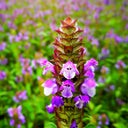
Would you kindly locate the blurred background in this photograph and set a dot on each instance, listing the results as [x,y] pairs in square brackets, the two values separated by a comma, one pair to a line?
[27,36]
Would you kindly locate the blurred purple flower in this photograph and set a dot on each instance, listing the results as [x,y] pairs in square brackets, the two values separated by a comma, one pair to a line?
[104,70]
[96,15]
[1,28]
[20,95]
[2,46]
[24,62]
[95,42]
[12,25]
[17,116]
[53,26]
[103,120]
[126,27]
[120,64]
[126,39]
[2,75]
[101,79]
[119,101]
[118,39]
[3,61]
[27,70]
[2,17]
[3,5]
[107,2]
[19,79]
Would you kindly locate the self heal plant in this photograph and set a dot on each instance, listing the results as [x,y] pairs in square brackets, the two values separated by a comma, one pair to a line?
[73,83]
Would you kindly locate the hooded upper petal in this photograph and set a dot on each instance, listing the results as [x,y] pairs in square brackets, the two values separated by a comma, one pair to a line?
[69,70]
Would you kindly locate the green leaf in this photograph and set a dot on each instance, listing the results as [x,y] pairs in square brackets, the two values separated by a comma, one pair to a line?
[50,125]
[97,108]
[90,125]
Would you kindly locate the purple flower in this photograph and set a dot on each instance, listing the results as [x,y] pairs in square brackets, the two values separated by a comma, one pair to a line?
[90,74]
[50,108]
[105,51]
[53,26]
[126,39]
[3,61]
[119,101]
[95,42]
[57,101]
[50,87]
[103,120]
[90,83]
[101,79]
[74,125]
[25,62]
[69,70]
[120,64]
[20,95]
[14,113]
[2,75]
[68,88]
[81,101]
[126,26]
[104,70]
[112,87]
[27,70]
[96,15]
[49,66]
[107,2]
[19,79]
[2,46]
[88,91]
[89,63]
[118,39]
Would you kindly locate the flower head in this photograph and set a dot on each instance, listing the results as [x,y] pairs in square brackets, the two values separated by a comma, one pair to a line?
[17,116]
[68,88]
[20,95]
[69,70]
[120,64]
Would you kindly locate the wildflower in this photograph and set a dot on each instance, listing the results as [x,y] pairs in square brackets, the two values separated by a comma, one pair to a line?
[69,70]
[120,64]
[88,91]
[57,101]
[50,108]
[2,46]
[20,95]
[3,60]
[68,88]
[16,115]
[74,125]
[81,101]
[2,75]
[103,120]
[19,79]
[50,87]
